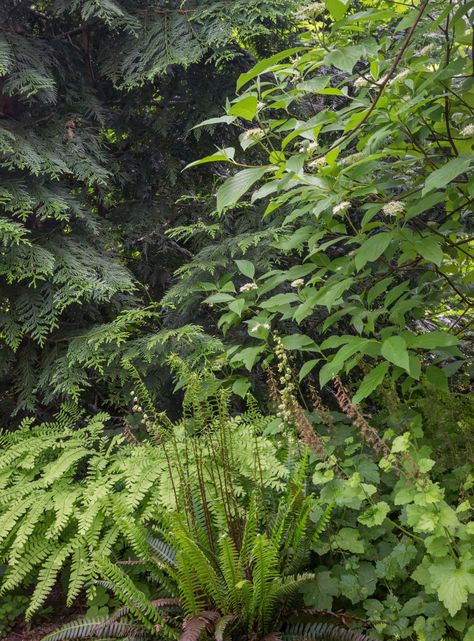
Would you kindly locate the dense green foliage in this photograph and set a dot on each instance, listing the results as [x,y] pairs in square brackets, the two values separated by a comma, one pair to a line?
[236,324]
[93,139]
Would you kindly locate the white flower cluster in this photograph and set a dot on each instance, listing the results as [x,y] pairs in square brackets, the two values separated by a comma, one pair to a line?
[258,326]
[308,148]
[341,208]
[467,131]
[317,163]
[393,208]
[253,134]
[427,49]
[361,82]
[313,9]
[297,283]
[248,287]
[401,76]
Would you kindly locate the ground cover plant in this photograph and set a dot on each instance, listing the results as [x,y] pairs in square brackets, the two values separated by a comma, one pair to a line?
[236,319]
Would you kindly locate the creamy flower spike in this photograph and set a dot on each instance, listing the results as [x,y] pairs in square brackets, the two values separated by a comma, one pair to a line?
[247,287]
[393,208]
[361,82]
[341,208]
[402,75]
[351,159]
[427,50]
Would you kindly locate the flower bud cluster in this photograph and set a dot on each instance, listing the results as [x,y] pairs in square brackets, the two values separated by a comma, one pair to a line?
[248,287]
[289,409]
[138,409]
[393,208]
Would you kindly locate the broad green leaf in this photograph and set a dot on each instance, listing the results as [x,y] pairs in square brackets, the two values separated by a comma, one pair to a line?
[453,584]
[345,58]
[348,539]
[248,356]
[424,203]
[314,85]
[430,248]
[375,515]
[222,155]
[246,268]
[330,294]
[320,592]
[352,123]
[241,387]
[445,174]
[394,349]
[245,108]
[237,306]
[220,297]
[276,301]
[337,8]
[236,186]
[372,249]
[371,381]
[432,340]
[333,367]
[379,288]
[220,120]
[265,65]
[437,377]
[307,368]
[298,341]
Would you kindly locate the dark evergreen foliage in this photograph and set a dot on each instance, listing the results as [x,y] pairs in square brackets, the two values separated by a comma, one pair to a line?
[96,103]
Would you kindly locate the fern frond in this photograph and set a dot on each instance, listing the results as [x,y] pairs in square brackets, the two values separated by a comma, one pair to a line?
[321,632]
[222,625]
[130,595]
[164,551]
[98,628]
[231,568]
[196,625]
[47,578]
[264,563]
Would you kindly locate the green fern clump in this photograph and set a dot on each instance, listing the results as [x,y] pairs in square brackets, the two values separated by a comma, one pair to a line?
[238,580]
[69,494]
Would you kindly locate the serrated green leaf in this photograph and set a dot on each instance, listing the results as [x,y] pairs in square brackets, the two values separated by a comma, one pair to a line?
[453,584]
[375,514]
